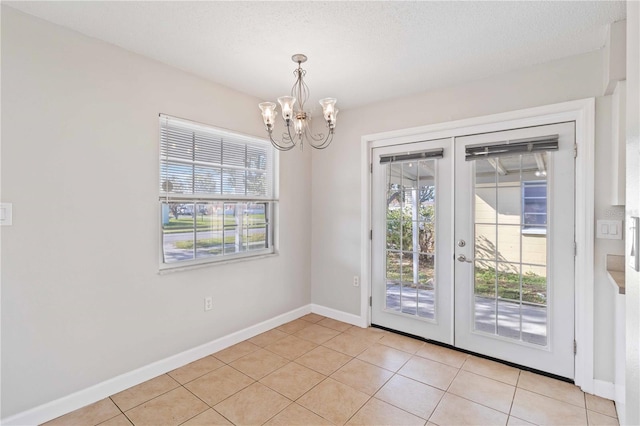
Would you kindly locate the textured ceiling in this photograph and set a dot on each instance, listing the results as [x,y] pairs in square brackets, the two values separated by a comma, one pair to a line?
[359,52]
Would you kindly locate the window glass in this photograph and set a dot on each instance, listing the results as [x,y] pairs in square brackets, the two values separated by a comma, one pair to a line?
[534,205]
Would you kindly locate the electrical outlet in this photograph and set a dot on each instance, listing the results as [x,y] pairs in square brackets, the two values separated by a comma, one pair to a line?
[356,281]
[208,303]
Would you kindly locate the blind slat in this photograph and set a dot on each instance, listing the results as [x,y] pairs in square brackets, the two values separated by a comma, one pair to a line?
[199,160]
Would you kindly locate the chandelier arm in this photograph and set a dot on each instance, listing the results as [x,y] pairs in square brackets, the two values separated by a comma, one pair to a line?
[318,137]
[289,132]
[325,143]
[310,135]
[278,145]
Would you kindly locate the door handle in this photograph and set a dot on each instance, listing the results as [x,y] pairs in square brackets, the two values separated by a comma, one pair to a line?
[463,258]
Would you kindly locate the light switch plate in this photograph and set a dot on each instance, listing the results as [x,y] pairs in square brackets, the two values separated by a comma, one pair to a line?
[609,229]
[6,214]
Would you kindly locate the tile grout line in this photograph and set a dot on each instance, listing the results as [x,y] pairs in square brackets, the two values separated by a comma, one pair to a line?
[444,393]
[554,398]
[513,398]
[323,380]
[312,388]
[110,418]
[197,397]
[294,401]
[374,394]
[150,399]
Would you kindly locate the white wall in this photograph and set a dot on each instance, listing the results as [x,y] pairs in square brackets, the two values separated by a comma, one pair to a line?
[82,300]
[632,277]
[336,172]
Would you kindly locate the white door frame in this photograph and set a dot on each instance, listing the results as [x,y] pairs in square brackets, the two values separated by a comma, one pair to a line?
[583,113]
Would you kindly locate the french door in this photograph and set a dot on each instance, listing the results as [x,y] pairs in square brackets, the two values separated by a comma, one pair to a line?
[413,239]
[473,243]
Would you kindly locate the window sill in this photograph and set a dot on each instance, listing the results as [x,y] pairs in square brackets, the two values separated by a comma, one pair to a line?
[534,231]
[164,269]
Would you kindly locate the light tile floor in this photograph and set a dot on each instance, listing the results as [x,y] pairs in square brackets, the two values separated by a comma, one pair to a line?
[318,371]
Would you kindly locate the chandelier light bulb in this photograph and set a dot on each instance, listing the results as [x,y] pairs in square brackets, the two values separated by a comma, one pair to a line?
[331,119]
[286,103]
[328,106]
[299,126]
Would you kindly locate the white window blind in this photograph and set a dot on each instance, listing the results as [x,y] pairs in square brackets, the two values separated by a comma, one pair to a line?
[198,161]
[217,194]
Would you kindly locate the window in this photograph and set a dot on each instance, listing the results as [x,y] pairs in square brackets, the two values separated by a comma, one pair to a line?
[534,207]
[216,194]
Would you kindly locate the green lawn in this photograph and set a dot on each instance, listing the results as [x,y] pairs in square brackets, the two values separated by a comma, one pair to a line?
[204,223]
[534,287]
[216,243]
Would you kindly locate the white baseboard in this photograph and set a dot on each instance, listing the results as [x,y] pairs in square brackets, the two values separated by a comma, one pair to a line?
[604,389]
[64,405]
[339,315]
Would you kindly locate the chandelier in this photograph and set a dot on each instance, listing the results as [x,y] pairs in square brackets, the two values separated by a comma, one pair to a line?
[296,119]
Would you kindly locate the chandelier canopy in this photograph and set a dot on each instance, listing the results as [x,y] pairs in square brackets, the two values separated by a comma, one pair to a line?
[296,119]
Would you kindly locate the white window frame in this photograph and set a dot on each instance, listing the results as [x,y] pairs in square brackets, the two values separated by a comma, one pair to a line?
[195,195]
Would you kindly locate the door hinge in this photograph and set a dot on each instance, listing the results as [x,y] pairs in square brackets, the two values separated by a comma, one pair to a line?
[575,249]
[370,300]
[371,234]
[370,167]
[575,347]
[575,150]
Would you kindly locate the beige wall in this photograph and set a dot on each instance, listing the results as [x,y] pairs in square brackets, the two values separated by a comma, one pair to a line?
[82,300]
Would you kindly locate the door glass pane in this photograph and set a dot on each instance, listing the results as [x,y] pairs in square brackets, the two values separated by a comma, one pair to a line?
[426,286]
[485,284]
[508,248]
[508,300]
[534,303]
[485,242]
[408,269]
[534,247]
[410,238]
[510,212]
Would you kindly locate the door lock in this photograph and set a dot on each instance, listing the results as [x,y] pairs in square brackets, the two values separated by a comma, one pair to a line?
[463,258]
[462,243]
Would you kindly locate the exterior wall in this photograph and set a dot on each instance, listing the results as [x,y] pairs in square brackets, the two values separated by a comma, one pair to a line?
[82,299]
[510,238]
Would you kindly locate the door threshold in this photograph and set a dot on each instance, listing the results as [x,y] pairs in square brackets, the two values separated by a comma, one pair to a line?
[501,361]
